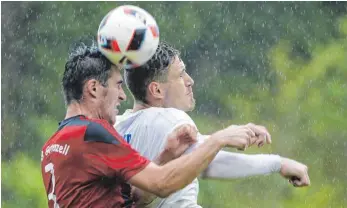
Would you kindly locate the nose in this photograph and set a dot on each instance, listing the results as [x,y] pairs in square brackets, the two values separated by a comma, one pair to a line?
[190,81]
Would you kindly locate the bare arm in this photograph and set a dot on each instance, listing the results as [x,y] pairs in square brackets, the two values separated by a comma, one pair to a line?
[164,180]
[143,198]
[178,141]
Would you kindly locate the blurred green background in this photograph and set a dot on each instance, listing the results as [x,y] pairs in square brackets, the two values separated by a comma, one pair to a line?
[279,64]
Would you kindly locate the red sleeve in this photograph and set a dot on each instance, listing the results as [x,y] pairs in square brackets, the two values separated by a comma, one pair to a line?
[109,155]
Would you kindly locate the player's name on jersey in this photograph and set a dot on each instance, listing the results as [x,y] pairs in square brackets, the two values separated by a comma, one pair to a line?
[62,149]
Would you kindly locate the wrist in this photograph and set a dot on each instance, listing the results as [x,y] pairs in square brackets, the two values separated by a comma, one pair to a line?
[283,165]
[218,139]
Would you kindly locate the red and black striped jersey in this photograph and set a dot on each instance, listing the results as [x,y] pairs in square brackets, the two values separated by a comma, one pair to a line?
[86,163]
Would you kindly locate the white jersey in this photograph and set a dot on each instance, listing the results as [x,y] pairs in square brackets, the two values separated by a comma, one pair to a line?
[146,131]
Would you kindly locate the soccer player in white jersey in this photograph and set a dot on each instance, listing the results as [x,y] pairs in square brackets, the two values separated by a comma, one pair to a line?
[162,91]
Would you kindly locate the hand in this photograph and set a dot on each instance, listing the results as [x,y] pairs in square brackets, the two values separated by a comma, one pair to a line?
[262,133]
[294,171]
[179,140]
[244,136]
[239,137]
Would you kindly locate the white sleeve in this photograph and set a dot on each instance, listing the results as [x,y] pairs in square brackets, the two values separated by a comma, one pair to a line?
[228,165]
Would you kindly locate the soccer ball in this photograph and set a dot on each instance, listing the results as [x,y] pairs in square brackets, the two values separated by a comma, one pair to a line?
[128,35]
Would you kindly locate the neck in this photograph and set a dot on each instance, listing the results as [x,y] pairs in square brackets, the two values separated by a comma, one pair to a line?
[139,105]
[76,108]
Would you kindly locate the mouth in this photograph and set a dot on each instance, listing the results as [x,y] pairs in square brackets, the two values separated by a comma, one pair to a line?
[189,91]
[116,108]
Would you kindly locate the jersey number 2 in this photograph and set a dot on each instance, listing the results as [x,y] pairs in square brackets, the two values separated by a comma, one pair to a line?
[51,196]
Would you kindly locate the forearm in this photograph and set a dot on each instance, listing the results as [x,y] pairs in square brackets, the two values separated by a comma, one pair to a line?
[143,198]
[228,165]
[180,172]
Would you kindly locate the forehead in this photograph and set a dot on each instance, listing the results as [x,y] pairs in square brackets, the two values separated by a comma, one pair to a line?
[115,73]
[177,66]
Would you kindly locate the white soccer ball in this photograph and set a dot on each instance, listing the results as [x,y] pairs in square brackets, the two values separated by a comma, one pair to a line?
[128,35]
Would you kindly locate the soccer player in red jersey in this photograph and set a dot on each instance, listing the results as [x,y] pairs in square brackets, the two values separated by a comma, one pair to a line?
[86,163]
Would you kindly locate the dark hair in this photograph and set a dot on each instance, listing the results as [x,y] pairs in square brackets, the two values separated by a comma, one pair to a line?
[156,69]
[84,63]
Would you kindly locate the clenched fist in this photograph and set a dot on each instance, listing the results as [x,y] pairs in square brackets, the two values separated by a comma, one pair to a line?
[179,140]
[243,136]
[296,172]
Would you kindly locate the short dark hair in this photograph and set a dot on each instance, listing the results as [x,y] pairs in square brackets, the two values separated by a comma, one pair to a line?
[156,69]
[84,63]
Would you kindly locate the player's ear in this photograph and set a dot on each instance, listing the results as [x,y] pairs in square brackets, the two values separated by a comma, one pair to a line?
[155,90]
[92,87]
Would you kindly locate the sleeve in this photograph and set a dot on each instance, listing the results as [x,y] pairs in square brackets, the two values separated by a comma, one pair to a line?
[109,156]
[229,165]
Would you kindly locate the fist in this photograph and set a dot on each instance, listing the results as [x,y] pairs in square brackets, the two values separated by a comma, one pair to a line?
[262,135]
[180,139]
[243,136]
[296,172]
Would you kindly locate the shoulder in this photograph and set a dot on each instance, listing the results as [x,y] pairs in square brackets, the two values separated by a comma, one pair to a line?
[153,116]
[99,130]
[171,115]
[162,121]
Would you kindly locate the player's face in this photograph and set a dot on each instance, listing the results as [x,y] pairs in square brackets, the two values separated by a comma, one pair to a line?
[179,91]
[112,97]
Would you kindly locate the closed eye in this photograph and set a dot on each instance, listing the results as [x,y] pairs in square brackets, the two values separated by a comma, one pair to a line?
[182,72]
[120,83]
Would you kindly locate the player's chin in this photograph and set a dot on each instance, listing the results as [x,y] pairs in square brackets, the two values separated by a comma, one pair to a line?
[191,106]
[112,120]
[112,116]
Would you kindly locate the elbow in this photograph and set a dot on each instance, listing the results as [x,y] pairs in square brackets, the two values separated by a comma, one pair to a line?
[162,190]
[163,194]
[166,193]
[165,186]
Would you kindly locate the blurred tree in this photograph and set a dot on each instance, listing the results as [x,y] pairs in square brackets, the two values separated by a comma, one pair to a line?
[282,64]
[20,77]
